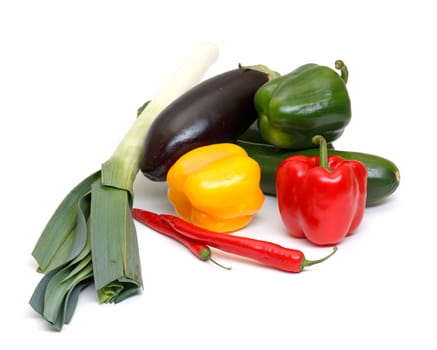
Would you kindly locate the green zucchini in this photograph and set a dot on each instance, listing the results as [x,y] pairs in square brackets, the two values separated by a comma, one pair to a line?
[383,174]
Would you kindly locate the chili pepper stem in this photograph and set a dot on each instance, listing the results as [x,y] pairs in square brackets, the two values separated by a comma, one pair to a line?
[323,153]
[220,265]
[305,262]
[344,72]
[205,255]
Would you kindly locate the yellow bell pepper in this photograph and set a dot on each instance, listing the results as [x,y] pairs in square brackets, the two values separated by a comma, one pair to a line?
[216,187]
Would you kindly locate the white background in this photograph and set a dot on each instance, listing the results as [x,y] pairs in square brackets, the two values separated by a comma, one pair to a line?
[72,74]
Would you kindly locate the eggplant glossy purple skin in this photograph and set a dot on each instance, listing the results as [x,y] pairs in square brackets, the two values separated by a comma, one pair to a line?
[217,110]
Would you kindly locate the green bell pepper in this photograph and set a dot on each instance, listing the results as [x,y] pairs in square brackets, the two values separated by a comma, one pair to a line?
[311,100]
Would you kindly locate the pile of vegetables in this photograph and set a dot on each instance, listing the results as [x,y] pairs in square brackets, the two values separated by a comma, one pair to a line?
[221,145]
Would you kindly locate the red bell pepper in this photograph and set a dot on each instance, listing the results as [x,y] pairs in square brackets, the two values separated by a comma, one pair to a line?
[321,198]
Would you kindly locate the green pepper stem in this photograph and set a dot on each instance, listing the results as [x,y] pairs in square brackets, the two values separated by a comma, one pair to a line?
[344,72]
[306,263]
[323,153]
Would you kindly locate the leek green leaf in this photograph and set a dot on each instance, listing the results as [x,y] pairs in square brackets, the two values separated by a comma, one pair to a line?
[58,243]
[114,245]
[56,296]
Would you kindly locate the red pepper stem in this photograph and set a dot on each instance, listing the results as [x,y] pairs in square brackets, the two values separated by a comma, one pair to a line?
[306,263]
[344,72]
[323,154]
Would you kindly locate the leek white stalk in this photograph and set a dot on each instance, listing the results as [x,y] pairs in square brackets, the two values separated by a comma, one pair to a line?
[91,236]
[121,169]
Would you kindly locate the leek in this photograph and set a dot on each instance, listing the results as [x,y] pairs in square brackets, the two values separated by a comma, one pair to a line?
[91,236]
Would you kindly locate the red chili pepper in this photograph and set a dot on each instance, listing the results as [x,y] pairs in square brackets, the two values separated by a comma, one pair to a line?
[155,222]
[321,198]
[271,254]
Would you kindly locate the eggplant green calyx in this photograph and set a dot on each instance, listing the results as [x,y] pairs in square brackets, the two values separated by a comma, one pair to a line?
[271,74]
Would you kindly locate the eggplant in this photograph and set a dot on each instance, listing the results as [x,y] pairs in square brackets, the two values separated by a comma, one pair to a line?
[217,110]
